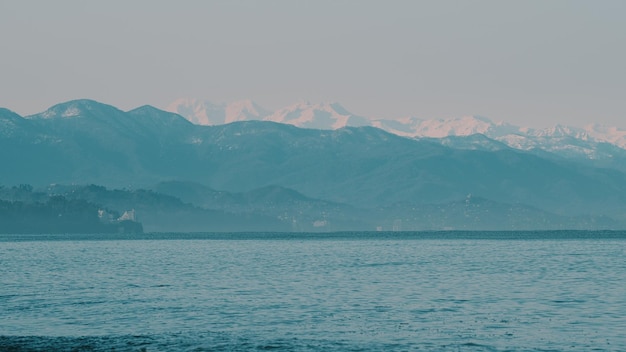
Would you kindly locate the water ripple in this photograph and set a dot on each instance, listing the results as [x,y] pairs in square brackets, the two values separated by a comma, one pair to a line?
[310,295]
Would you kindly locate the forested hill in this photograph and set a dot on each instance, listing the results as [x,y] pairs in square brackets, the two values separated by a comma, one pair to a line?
[335,174]
[30,212]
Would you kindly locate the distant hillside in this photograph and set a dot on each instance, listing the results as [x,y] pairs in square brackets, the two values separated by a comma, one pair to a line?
[355,175]
[96,209]
[163,213]
[24,211]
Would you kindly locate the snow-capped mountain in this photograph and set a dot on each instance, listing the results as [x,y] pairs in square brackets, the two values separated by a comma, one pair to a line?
[204,112]
[244,110]
[325,116]
[562,140]
[440,128]
[612,135]
[565,141]
[86,142]
[76,108]
[302,114]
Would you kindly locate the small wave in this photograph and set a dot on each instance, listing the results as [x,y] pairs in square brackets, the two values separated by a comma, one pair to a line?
[207,342]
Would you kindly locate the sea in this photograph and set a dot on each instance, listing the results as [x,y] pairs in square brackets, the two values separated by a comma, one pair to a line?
[373,291]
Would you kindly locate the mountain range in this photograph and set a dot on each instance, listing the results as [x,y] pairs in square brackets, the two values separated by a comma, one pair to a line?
[333,116]
[604,146]
[344,177]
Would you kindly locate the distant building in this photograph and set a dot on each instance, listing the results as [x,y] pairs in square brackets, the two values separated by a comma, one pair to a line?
[128,215]
[397,225]
[320,223]
[105,216]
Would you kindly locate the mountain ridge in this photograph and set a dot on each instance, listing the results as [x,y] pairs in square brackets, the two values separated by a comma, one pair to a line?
[360,167]
[333,115]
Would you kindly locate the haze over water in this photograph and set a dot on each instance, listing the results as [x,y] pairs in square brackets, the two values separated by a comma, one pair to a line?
[404,291]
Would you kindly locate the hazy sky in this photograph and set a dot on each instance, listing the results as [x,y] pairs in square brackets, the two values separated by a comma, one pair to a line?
[532,63]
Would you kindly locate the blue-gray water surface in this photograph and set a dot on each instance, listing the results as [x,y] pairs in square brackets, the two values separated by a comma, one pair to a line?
[298,292]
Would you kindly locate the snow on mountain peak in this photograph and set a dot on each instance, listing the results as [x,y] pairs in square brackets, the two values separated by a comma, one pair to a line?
[199,112]
[439,128]
[332,115]
[463,126]
[244,110]
[607,134]
[318,116]
[70,109]
[67,111]
[204,112]
[558,131]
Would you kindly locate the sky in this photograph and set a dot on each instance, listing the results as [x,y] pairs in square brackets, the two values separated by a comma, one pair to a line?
[532,63]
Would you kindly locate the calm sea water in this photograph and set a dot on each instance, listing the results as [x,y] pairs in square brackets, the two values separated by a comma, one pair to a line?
[560,291]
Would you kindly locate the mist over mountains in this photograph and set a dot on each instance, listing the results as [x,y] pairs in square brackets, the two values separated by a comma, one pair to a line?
[343,172]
